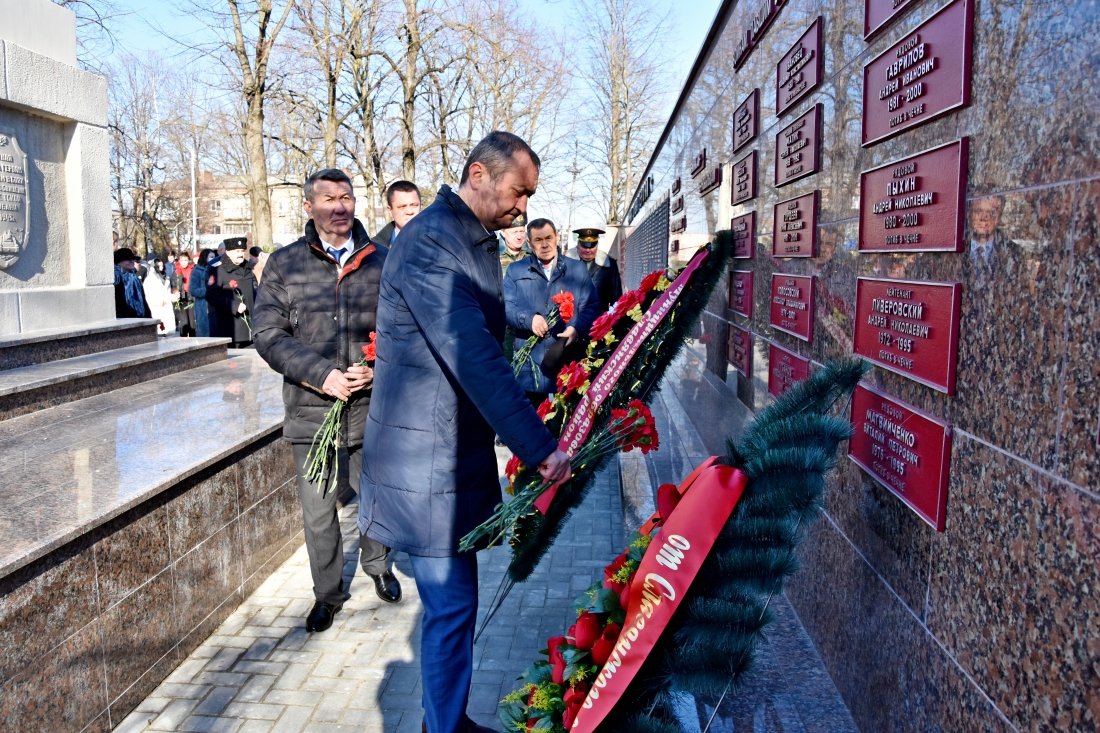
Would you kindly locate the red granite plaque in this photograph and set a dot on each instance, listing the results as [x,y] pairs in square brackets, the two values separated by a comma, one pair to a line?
[678,225]
[921,77]
[699,164]
[795,227]
[744,235]
[677,205]
[785,369]
[676,187]
[910,327]
[741,292]
[753,21]
[799,71]
[744,120]
[798,147]
[877,14]
[792,305]
[904,449]
[915,204]
[712,181]
[744,179]
[739,350]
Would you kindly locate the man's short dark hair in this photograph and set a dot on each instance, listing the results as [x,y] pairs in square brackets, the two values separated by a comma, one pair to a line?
[328,174]
[495,152]
[539,224]
[400,187]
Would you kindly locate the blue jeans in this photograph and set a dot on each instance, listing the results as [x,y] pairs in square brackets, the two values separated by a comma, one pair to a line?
[448,592]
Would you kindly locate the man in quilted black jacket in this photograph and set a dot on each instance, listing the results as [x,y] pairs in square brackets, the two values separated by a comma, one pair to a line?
[315,312]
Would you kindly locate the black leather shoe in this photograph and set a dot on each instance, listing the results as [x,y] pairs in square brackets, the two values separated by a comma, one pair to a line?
[320,618]
[387,587]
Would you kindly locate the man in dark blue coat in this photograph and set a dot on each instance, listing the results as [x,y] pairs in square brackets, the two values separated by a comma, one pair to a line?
[529,285]
[442,390]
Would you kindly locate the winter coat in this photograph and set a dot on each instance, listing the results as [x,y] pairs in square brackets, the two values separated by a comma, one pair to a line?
[604,272]
[527,292]
[124,309]
[158,294]
[197,290]
[382,239]
[442,387]
[312,317]
[223,301]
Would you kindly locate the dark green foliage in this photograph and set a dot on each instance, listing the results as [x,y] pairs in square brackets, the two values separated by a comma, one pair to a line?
[710,642]
[535,533]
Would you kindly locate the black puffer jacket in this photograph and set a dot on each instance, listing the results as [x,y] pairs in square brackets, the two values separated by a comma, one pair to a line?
[311,318]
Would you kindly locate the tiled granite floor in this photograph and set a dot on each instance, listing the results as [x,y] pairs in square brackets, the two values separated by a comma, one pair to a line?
[260,672]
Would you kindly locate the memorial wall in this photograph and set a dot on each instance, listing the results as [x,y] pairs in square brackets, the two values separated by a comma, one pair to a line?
[916,183]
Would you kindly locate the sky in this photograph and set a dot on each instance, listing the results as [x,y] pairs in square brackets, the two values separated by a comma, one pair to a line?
[143,25]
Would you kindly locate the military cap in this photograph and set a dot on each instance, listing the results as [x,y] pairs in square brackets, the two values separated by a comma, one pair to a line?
[519,221]
[236,243]
[588,236]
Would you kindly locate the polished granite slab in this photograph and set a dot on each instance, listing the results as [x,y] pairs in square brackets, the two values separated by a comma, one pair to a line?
[40,347]
[71,468]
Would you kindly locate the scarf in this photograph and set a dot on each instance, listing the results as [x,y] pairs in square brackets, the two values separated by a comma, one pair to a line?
[131,289]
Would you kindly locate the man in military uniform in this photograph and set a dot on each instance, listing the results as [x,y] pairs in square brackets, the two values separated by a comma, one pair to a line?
[230,293]
[513,248]
[603,269]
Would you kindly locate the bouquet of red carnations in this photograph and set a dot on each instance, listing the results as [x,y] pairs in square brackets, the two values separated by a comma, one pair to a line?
[240,296]
[323,451]
[561,312]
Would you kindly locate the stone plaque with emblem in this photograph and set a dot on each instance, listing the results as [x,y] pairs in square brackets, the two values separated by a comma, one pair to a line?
[792,305]
[785,369]
[921,77]
[798,147]
[799,71]
[904,449]
[915,204]
[14,215]
[744,235]
[909,327]
[744,120]
[744,179]
[794,232]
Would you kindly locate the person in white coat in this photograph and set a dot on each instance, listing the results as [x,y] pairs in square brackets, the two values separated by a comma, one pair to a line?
[158,294]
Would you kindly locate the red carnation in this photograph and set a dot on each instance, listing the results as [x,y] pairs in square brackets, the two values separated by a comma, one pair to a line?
[601,650]
[565,305]
[571,377]
[513,467]
[650,280]
[630,299]
[603,325]
[369,350]
[588,630]
[636,427]
[233,283]
[545,408]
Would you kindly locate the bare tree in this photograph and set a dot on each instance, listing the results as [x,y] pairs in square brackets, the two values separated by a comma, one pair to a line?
[621,40]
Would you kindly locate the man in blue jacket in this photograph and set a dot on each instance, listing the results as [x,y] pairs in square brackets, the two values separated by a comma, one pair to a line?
[529,286]
[443,389]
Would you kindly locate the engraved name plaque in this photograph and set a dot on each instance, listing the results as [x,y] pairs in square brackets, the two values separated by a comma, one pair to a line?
[677,205]
[799,71]
[712,181]
[920,78]
[699,164]
[739,350]
[740,299]
[909,327]
[904,449]
[752,24]
[744,120]
[678,225]
[795,227]
[14,218]
[785,369]
[877,14]
[744,179]
[744,235]
[915,204]
[798,147]
[676,187]
[792,305]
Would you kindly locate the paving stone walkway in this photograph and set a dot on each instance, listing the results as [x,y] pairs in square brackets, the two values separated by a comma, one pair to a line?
[262,673]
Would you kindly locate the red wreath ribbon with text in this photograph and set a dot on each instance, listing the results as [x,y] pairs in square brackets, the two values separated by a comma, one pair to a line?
[580,424]
[708,497]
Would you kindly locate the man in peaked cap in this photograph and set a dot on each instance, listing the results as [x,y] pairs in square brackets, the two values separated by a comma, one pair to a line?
[603,269]
[513,248]
[231,293]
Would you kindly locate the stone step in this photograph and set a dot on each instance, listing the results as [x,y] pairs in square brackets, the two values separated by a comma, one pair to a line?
[30,388]
[55,344]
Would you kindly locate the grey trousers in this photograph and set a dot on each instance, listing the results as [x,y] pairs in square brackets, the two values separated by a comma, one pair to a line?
[322,527]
